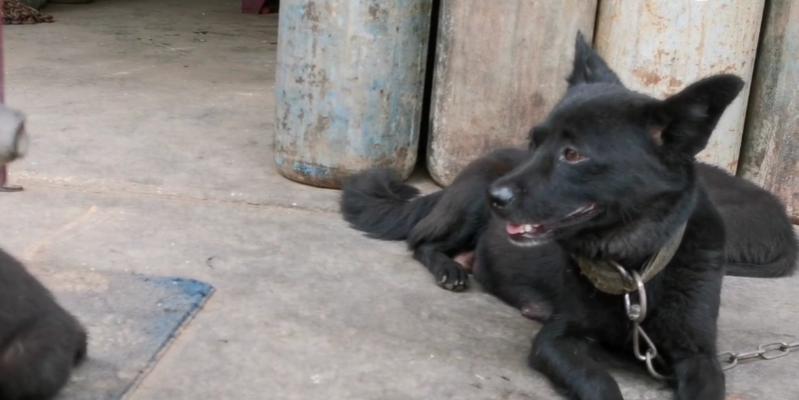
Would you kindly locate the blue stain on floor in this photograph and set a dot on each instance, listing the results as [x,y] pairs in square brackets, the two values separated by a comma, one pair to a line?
[131,319]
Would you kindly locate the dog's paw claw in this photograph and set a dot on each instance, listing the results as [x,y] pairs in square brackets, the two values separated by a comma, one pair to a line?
[453,278]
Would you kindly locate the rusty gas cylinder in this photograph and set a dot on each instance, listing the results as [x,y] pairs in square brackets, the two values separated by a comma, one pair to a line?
[349,86]
[659,47]
[770,153]
[500,67]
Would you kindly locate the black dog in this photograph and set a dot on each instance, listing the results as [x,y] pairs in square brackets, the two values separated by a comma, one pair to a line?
[40,342]
[443,226]
[611,176]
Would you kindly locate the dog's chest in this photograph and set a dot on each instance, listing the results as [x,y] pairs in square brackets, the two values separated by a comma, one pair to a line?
[599,314]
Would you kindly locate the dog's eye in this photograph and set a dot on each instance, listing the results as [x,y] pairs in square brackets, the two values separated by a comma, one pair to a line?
[572,156]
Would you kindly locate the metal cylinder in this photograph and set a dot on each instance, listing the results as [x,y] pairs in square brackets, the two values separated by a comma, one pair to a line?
[770,153]
[349,86]
[500,67]
[659,47]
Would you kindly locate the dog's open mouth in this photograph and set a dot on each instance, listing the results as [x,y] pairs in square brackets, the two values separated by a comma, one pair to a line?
[532,234]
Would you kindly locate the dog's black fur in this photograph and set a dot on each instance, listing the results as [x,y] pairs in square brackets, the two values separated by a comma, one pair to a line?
[760,237]
[436,226]
[625,161]
[760,242]
[40,342]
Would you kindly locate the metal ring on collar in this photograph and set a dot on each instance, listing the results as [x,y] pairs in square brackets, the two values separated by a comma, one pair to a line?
[636,312]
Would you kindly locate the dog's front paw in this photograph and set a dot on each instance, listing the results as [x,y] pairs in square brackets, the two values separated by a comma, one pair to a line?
[451,276]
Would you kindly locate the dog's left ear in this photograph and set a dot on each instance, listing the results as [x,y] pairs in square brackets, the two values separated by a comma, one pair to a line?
[683,122]
[588,66]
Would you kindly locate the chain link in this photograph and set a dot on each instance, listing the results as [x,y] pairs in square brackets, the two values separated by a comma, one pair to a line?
[637,309]
[768,351]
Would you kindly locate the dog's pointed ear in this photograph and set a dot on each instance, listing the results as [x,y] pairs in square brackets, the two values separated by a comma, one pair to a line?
[683,122]
[589,67]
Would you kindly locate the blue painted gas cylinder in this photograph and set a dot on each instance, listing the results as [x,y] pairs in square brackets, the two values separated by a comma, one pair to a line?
[349,85]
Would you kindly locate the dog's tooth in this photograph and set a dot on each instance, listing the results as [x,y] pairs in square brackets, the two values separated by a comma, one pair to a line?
[527,228]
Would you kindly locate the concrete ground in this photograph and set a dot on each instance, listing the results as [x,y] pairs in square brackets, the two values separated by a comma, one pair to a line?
[151,123]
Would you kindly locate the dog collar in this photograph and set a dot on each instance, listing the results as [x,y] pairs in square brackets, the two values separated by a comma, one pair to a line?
[607,277]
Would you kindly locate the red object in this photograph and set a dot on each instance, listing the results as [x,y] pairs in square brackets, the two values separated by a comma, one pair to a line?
[253,6]
[3,171]
[1,55]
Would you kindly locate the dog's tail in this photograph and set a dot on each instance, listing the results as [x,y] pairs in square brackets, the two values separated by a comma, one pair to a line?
[379,203]
[777,259]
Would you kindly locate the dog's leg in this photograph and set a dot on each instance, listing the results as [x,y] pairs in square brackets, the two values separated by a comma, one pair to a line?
[699,377]
[530,302]
[567,361]
[448,273]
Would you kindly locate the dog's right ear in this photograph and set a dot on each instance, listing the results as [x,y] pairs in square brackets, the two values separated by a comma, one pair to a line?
[589,67]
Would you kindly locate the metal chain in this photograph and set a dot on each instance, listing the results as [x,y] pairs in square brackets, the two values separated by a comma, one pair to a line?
[636,312]
[768,351]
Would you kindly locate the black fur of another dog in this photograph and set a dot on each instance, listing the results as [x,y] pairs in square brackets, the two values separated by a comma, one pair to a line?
[40,342]
[610,175]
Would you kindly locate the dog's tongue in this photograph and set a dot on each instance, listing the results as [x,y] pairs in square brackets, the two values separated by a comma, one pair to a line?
[514,229]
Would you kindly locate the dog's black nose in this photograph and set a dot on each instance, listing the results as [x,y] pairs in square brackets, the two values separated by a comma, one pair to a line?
[500,196]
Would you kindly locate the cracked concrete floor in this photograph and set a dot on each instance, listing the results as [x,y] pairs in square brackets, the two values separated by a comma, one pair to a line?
[151,124]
